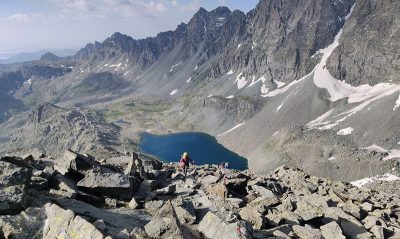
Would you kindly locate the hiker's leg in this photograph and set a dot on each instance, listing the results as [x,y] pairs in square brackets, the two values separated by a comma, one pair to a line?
[185,168]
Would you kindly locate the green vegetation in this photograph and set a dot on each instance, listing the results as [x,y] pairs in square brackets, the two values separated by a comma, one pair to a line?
[122,109]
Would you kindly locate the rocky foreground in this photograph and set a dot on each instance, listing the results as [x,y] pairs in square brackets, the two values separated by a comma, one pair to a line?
[75,196]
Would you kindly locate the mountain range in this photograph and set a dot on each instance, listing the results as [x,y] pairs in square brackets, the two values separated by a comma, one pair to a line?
[33,56]
[308,83]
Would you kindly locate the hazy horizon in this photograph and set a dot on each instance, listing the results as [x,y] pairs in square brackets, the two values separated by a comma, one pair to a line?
[33,25]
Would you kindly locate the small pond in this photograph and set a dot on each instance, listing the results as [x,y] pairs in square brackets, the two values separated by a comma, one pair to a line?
[202,148]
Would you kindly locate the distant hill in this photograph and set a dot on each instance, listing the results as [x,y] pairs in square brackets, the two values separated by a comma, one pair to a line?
[32,56]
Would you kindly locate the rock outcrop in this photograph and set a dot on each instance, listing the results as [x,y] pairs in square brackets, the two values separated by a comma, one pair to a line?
[13,185]
[53,129]
[365,55]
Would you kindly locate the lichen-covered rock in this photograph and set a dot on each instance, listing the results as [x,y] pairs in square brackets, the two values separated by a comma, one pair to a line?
[165,224]
[307,232]
[48,222]
[13,185]
[62,223]
[214,227]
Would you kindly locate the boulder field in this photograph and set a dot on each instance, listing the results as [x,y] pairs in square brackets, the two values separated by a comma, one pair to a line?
[77,197]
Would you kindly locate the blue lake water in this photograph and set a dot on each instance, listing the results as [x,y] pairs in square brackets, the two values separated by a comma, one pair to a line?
[202,148]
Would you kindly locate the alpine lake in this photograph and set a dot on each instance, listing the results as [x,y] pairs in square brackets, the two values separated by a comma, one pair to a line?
[202,148]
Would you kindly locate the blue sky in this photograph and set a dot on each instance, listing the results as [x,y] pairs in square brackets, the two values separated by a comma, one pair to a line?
[30,25]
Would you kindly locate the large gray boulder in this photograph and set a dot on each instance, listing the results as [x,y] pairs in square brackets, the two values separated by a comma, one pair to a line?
[68,187]
[23,225]
[48,222]
[252,215]
[307,232]
[214,227]
[13,185]
[73,162]
[353,230]
[65,224]
[332,231]
[185,211]
[311,206]
[115,220]
[165,224]
[112,184]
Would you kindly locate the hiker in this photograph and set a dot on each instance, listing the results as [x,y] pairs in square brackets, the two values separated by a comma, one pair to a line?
[221,168]
[226,165]
[184,162]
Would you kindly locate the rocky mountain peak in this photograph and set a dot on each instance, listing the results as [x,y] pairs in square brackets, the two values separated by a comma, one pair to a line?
[202,12]
[118,37]
[49,57]
[221,11]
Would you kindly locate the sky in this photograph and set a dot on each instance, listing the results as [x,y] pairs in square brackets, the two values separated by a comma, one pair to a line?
[32,25]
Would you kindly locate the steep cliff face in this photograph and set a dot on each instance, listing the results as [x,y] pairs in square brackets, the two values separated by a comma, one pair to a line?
[369,50]
[281,38]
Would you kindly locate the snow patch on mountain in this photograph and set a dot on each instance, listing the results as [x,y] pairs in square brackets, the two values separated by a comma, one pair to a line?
[395,153]
[279,83]
[320,120]
[28,82]
[346,131]
[254,81]
[338,89]
[235,127]
[386,177]
[279,107]
[176,65]
[174,92]
[376,148]
[253,46]
[240,81]
[264,89]
[392,154]
[285,88]
[397,104]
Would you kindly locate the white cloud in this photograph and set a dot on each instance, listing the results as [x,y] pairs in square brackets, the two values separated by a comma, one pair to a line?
[222,2]
[193,5]
[174,2]
[155,7]
[81,5]
[114,8]
[21,17]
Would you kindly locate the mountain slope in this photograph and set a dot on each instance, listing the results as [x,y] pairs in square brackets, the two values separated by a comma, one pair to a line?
[51,130]
[306,83]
